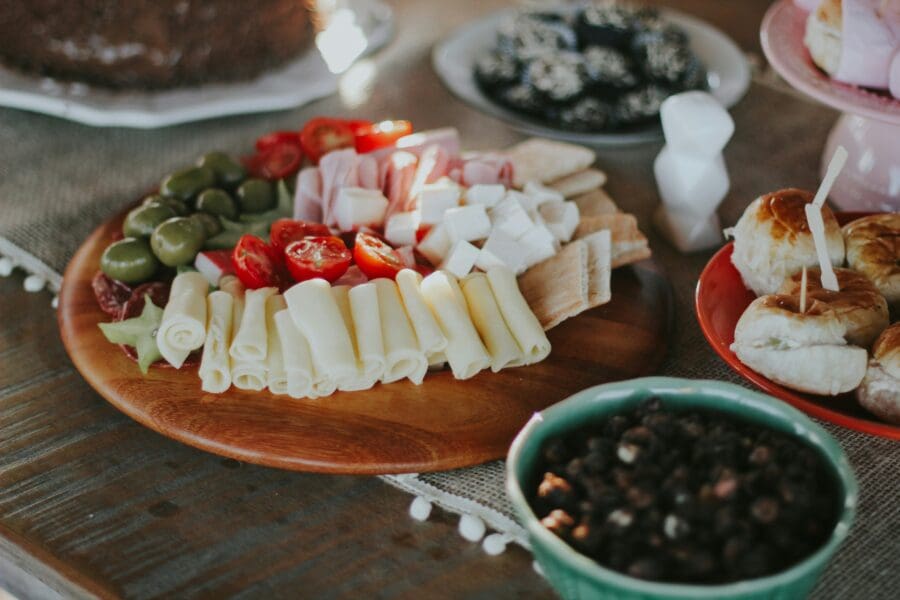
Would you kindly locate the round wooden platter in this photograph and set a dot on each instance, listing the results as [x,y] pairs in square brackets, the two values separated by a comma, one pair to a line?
[395,428]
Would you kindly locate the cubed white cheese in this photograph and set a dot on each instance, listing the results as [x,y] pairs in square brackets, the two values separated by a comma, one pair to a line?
[561,219]
[503,248]
[435,198]
[400,228]
[461,259]
[468,223]
[435,245]
[509,217]
[541,193]
[485,194]
[538,244]
[356,207]
[527,202]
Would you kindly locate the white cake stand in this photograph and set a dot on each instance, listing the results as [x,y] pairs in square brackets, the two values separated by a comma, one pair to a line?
[869,128]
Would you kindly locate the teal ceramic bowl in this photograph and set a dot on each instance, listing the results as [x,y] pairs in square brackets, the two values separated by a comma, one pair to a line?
[574,575]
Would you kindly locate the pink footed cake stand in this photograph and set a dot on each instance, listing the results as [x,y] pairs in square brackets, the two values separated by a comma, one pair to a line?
[869,127]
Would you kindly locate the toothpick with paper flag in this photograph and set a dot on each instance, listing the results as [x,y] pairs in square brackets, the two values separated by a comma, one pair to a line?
[817,225]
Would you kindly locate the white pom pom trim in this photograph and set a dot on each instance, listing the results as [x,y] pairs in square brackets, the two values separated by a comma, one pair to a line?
[420,509]
[6,266]
[34,283]
[471,527]
[495,544]
[55,302]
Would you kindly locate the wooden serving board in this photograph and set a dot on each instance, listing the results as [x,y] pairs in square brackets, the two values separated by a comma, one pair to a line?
[395,428]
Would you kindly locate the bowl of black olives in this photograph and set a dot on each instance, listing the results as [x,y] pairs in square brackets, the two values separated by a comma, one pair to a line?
[676,488]
[594,74]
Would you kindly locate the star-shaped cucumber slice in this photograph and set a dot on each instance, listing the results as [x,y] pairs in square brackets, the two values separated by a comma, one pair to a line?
[139,333]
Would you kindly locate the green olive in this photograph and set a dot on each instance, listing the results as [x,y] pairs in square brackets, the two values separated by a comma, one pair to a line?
[141,221]
[256,195]
[129,260]
[210,224]
[177,241]
[228,172]
[175,204]
[187,183]
[217,202]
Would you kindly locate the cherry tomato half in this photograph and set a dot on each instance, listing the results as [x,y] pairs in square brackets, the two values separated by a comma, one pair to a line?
[322,135]
[276,138]
[324,256]
[358,125]
[381,135]
[285,231]
[376,258]
[255,263]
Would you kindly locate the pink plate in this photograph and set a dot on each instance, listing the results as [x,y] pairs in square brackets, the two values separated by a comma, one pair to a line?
[782,34]
[721,300]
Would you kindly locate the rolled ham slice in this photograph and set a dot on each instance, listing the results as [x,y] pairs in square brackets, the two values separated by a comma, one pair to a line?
[367,172]
[483,168]
[398,179]
[433,164]
[338,169]
[308,197]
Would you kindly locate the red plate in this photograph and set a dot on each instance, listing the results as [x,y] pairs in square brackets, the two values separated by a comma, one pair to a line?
[722,299]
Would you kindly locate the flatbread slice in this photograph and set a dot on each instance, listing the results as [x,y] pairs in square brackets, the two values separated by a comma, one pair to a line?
[599,245]
[579,183]
[629,245]
[594,203]
[558,288]
[541,160]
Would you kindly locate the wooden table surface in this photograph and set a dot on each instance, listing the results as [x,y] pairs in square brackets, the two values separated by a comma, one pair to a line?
[91,503]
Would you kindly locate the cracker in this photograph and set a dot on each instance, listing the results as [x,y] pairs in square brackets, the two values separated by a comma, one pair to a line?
[599,245]
[594,203]
[626,254]
[558,287]
[541,160]
[579,183]
[629,245]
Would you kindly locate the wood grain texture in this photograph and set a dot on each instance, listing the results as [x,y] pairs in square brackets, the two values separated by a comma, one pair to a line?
[396,428]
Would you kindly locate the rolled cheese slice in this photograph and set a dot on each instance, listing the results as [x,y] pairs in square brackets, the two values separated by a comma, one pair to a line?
[250,341]
[248,374]
[522,322]
[401,349]
[232,285]
[465,352]
[431,339]
[276,375]
[367,330]
[215,364]
[485,313]
[316,314]
[297,361]
[183,326]
[362,381]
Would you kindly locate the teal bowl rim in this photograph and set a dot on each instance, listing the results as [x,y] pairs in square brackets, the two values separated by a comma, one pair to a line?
[803,427]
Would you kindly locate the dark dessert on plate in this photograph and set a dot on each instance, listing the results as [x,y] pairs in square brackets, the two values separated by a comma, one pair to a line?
[151,44]
[605,67]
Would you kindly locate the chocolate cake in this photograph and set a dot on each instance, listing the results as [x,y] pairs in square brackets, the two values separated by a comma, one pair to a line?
[152,44]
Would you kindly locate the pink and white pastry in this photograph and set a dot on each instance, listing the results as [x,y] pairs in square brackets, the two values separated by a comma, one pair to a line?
[871,41]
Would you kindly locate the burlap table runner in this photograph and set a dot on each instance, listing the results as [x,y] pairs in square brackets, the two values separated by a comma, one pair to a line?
[59,180]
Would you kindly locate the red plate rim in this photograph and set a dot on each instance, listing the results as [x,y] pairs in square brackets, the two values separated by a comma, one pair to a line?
[806,402]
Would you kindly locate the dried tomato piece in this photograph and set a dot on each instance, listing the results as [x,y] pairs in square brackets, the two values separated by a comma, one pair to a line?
[111,295]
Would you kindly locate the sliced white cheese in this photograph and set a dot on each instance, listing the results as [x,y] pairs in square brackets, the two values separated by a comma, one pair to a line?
[488,320]
[465,351]
[487,195]
[215,364]
[511,218]
[357,207]
[435,198]
[561,219]
[250,341]
[428,333]
[341,295]
[517,315]
[400,228]
[276,375]
[367,329]
[468,223]
[183,326]
[461,259]
[435,245]
[248,375]
[298,365]
[317,316]
[501,249]
[401,349]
